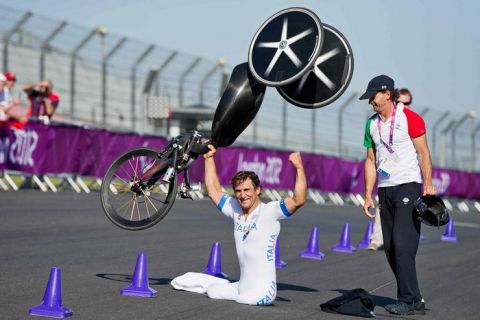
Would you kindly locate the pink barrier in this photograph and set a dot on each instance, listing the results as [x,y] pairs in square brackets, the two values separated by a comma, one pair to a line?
[59,148]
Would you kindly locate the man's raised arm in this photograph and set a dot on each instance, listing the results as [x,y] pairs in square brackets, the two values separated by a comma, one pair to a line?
[300,191]
[212,183]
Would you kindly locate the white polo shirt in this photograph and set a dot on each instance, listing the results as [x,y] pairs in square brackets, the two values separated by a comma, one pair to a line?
[407,126]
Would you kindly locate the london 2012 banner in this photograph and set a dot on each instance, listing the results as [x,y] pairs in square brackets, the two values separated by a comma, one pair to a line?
[67,149]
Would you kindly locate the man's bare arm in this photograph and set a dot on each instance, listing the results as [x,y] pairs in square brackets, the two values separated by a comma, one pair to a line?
[425,162]
[300,190]
[370,177]
[29,87]
[49,108]
[212,182]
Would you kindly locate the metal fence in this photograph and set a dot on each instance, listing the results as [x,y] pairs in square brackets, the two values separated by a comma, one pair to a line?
[100,76]
[106,80]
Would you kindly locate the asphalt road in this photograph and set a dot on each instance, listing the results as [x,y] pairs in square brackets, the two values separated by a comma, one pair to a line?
[39,231]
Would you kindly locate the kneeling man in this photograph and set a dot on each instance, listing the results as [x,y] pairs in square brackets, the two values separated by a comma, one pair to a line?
[256,229]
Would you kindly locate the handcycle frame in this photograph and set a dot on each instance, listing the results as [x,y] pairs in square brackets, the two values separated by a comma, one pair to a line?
[138,185]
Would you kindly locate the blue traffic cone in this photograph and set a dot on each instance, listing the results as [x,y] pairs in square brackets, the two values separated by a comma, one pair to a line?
[52,299]
[366,238]
[214,266]
[279,263]
[344,244]
[139,286]
[311,252]
[449,234]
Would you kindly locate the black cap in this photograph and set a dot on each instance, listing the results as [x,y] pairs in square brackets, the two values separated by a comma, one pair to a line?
[379,83]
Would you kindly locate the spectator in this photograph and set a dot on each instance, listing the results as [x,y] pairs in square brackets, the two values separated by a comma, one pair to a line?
[43,101]
[10,84]
[5,100]
[15,115]
[376,238]
[404,96]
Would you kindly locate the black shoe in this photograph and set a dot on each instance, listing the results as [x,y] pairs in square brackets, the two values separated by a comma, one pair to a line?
[401,308]
[419,307]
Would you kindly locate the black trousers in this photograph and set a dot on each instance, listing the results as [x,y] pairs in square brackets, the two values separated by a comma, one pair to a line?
[401,234]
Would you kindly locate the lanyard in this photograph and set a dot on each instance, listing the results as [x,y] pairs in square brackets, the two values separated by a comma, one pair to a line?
[392,126]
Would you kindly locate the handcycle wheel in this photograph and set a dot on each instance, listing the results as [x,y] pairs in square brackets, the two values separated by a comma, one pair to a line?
[133,194]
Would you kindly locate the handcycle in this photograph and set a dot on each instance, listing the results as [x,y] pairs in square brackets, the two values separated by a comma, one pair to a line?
[140,186]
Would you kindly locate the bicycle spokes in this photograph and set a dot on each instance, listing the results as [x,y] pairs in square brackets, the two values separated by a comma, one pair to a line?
[134,196]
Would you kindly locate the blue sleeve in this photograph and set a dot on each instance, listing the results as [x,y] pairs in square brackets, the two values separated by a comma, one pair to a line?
[228,206]
[222,201]
[284,209]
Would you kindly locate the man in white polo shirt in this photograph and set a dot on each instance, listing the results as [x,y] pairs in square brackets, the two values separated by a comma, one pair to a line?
[397,149]
[404,96]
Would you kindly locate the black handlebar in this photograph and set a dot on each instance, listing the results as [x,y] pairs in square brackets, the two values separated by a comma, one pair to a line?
[199,148]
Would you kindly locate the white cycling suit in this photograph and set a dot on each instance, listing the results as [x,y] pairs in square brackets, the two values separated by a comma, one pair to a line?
[255,241]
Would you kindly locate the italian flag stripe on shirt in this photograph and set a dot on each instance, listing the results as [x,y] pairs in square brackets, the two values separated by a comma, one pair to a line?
[416,125]
[368,141]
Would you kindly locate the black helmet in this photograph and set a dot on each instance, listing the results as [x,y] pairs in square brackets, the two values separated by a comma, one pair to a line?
[431,211]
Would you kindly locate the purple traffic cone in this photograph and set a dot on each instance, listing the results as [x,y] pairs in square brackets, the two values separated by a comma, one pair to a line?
[311,252]
[52,299]
[449,234]
[139,286]
[366,238]
[344,244]
[279,263]
[214,266]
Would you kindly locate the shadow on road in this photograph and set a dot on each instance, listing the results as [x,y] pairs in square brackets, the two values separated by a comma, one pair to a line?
[128,278]
[293,287]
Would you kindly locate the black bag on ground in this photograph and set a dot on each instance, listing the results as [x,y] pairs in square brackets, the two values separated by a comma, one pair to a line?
[356,302]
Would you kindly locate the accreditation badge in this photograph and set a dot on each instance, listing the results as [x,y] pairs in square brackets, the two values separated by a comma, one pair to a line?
[388,165]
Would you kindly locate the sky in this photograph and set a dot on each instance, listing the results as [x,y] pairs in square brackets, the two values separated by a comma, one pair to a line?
[430,46]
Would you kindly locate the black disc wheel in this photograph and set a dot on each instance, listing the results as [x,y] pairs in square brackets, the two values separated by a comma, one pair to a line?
[329,76]
[285,46]
[134,193]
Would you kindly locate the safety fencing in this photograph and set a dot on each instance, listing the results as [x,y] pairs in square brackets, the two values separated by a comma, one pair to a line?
[72,152]
[111,81]
[103,78]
